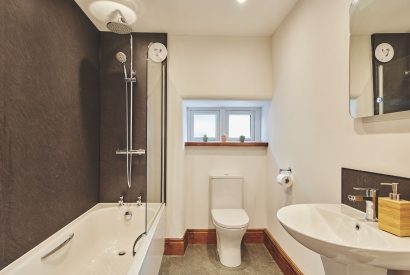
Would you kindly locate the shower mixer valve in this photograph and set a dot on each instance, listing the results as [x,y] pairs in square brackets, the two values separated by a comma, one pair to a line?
[138,152]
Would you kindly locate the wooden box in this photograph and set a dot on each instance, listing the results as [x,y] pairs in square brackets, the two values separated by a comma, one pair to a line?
[394,216]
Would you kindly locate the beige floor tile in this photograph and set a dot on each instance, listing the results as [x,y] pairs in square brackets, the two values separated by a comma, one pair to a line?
[203,260]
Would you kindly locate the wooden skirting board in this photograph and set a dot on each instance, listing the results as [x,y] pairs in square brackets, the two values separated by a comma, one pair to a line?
[205,236]
[176,246]
[208,236]
[279,255]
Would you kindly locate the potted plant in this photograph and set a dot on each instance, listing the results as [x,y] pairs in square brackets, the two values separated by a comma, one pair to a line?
[242,138]
[205,138]
[223,138]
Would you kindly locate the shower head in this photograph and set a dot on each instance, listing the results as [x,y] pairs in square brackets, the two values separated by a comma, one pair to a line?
[118,24]
[121,57]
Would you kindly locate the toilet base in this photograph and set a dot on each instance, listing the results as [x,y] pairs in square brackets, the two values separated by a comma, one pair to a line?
[229,245]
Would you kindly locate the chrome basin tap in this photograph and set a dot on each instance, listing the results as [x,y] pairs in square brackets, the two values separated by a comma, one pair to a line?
[371,198]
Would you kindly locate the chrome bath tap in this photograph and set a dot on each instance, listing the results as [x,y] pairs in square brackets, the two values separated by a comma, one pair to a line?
[139,200]
[371,198]
[121,201]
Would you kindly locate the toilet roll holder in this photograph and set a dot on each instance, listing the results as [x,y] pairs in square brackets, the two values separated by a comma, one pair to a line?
[289,170]
[284,177]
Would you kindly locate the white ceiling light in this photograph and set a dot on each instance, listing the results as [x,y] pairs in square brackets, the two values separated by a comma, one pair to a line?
[241,1]
[102,10]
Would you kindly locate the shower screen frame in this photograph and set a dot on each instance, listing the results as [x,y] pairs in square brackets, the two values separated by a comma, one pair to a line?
[160,194]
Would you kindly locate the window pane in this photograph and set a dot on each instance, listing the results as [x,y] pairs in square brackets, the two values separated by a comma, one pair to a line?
[239,125]
[204,124]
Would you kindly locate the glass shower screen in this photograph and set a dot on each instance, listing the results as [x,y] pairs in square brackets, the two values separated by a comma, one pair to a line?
[156,122]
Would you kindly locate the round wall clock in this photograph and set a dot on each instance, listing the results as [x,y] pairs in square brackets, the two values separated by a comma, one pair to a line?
[384,52]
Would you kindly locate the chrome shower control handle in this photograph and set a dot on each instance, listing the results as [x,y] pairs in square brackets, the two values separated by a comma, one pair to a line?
[138,152]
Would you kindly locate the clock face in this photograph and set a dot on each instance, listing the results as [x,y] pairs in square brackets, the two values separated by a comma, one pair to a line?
[384,52]
[157,52]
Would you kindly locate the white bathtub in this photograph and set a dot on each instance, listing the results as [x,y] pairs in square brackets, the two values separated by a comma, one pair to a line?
[99,235]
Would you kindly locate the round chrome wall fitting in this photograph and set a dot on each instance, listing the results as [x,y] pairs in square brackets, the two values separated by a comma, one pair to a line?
[157,52]
[384,52]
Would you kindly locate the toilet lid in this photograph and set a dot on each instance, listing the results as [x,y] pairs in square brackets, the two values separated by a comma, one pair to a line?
[230,218]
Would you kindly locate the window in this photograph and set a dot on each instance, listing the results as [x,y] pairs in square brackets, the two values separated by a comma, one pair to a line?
[232,122]
[239,124]
[204,122]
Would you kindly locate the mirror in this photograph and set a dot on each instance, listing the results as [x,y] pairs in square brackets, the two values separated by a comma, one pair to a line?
[379,57]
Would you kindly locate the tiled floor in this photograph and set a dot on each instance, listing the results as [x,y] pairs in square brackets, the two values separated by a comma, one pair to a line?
[203,259]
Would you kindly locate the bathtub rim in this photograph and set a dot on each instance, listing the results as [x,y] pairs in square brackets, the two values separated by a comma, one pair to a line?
[61,233]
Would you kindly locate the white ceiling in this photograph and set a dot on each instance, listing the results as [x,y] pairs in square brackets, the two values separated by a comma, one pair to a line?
[381,16]
[194,17]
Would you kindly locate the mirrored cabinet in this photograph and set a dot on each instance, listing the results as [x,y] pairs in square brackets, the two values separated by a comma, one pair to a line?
[379,57]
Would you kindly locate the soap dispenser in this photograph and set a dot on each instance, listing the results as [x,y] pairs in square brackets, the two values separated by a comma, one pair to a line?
[394,214]
[394,195]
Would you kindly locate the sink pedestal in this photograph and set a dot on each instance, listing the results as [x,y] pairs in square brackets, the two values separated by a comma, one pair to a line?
[332,267]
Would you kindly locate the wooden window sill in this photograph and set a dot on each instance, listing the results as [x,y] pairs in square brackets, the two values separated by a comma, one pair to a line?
[227,144]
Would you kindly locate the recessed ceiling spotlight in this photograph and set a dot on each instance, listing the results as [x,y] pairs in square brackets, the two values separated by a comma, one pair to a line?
[241,1]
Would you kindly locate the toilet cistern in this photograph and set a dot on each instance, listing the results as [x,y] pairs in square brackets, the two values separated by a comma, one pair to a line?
[230,219]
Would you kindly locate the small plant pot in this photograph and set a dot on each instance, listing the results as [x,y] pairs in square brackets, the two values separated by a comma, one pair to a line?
[242,138]
[205,139]
[223,138]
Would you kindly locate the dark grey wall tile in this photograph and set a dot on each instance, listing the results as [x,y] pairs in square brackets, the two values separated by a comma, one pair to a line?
[113,179]
[49,118]
[3,139]
[355,178]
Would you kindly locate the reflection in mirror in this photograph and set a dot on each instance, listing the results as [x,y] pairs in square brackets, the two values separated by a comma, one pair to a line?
[379,57]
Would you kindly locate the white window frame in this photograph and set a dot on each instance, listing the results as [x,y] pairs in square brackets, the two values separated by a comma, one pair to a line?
[203,111]
[222,121]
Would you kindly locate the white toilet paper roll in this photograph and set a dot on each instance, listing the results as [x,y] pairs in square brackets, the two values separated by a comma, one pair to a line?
[284,179]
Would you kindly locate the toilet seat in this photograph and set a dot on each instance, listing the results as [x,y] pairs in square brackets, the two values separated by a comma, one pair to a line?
[230,218]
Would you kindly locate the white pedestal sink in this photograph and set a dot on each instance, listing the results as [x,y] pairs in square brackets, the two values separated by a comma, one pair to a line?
[348,244]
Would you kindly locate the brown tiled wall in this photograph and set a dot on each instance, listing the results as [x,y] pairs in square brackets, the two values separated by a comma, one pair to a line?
[62,116]
[355,178]
[49,120]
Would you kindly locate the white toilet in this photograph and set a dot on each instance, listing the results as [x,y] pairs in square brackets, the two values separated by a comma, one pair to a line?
[229,217]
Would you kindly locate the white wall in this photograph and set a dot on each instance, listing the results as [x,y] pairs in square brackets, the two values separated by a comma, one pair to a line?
[311,129]
[202,162]
[213,68]
[221,67]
